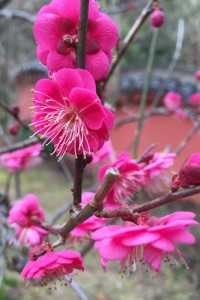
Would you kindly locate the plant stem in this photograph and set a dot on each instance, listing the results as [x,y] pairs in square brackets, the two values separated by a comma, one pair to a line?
[145,91]
[80,61]
[129,38]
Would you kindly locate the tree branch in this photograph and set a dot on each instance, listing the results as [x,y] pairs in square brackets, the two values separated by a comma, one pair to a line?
[80,60]
[129,38]
[94,205]
[162,200]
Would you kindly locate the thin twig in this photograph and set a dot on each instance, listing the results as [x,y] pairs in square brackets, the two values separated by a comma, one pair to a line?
[17,14]
[186,140]
[9,111]
[172,65]
[162,200]
[81,294]
[145,91]
[147,114]
[129,38]
[20,145]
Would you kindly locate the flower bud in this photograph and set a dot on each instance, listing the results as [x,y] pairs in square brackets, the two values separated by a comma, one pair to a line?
[189,173]
[14,129]
[157,17]
[15,109]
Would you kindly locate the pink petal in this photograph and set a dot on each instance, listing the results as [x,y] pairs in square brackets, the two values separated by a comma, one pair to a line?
[104,31]
[182,236]
[46,260]
[105,232]
[89,110]
[46,89]
[111,250]
[87,79]
[164,244]
[56,61]
[27,267]
[47,30]
[97,64]
[71,9]
[139,239]
[153,257]
[42,54]
[68,79]
[181,215]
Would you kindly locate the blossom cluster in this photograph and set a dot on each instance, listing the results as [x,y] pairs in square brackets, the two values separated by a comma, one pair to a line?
[68,113]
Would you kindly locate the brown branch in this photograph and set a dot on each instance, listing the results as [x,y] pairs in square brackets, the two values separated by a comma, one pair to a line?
[147,114]
[80,60]
[17,14]
[20,145]
[129,38]
[93,206]
[162,200]
[186,140]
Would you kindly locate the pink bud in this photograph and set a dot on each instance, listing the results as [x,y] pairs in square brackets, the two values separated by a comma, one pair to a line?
[189,173]
[197,74]
[157,17]
[15,109]
[14,129]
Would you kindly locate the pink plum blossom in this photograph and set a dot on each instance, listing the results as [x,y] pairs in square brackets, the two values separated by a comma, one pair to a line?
[25,215]
[156,171]
[194,101]
[93,223]
[21,159]
[56,33]
[149,243]
[130,181]
[189,173]
[51,266]
[172,100]
[197,74]
[171,229]
[104,154]
[70,114]
[123,243]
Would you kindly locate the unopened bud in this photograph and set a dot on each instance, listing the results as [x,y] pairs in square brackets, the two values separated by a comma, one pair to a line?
[15,109]
[189,173]
[157,17]
[14,129]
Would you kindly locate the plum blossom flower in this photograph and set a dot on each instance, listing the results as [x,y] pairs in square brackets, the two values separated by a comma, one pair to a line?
[51,266]
[86,228]
[25,215]
[156,171]
[56,33]
[104,154]
[150,243]
[123,243]
[189,173]
[131,179]
[70,114]
[171,229]
[172,100]
[21,159]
